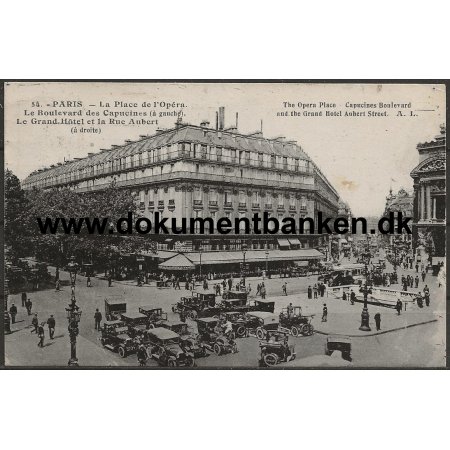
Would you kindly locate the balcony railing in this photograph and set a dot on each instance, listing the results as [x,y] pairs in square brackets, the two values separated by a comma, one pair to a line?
[161,204]
[228,204]
[255,206]
[268,206]
[213,204]
[292,208]
[151,204]
[242,205]
[280,207]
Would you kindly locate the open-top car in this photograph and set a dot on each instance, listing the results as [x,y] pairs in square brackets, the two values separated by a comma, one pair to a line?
[237,320]
[275,349]
[154,315]
[163,345]
[188,340]
[114,307]
[116,337]
[212,337]
[136,322]
[342,344]
[259,323]
[296,322]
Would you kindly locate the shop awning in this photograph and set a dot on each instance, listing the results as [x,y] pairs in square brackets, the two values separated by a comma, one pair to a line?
[178,262]
[294,241]
[283,243]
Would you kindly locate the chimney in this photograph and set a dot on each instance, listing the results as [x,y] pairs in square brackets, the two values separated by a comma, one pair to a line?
[237,120]
[221,117]
[217,120]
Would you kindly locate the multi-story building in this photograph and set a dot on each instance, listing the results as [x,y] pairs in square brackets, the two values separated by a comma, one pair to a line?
[429,200]
[402,202]
[201,171]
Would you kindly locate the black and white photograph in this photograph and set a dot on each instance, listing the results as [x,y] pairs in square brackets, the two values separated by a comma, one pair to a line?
[204,225]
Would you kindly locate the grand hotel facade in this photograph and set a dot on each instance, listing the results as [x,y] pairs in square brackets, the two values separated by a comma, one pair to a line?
[204,171]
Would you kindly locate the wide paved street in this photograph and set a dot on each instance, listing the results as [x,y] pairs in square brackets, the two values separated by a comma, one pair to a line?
[415,338]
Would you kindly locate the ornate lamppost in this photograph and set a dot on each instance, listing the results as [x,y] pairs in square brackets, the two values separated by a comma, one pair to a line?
[244,251]
[365,290]
[73,314]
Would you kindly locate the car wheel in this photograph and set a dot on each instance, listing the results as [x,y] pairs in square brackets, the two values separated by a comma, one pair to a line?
[271,359]
[259,333]
[122,352]
[217,349]
[294,331]
[240,331]
[307,330]
[151,326]
[171,363]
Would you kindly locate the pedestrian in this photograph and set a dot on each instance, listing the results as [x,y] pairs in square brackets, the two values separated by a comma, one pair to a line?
[142,355]
[284,288]
[263,292]
[377,318]
[88,282]
[417,267]
[398,306]
[324,313]
[322,289]
[315,289]
[427,297]
[344,296]
[57,285]
[98,319]
[424,274]
[24,299]
[352,297]
[186,285]
[29,305]
[178,284]
[35,323]
[290,310]
[109,280]
[258,289]
[51,326]
[417,281]
[13,313]
[41,334]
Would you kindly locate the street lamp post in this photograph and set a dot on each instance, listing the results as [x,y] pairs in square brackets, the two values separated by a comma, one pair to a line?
[267,264]
[366,290]
[200,255]
[73,314]
[244,251]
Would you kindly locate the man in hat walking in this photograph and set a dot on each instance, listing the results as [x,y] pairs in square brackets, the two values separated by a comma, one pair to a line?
[324,313]
[13,313]
[377,318]
[35,323]
[51,326]
[98,319]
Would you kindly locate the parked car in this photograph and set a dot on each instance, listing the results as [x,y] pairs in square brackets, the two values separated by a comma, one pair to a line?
[275,349]
[114,308]
[116,337]
[163,345]
[136,322]
[238,321]
[239,295]
[200,304]
[189,341]
[296,322]
[154,315]
[340,343]
[258,323]
[212,337]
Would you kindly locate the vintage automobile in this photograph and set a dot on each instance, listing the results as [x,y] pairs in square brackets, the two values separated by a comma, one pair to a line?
[339,343]
[259,323]
[275,349]
[200,304]
[114,307]
[231,294]
[262,305]
[238,321]
[154,315]
[163,345]
[188,340]
[296,322]
[116,337]
[136,322]
[212,337]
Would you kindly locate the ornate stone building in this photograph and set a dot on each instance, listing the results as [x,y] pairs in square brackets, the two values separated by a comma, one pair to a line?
[429,199]
[201,171]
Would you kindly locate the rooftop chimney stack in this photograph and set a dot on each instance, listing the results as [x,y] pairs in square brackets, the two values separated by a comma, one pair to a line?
[237,120]
[221,117]
[217,120]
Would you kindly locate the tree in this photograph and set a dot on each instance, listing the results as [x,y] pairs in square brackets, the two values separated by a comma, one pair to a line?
[16,241]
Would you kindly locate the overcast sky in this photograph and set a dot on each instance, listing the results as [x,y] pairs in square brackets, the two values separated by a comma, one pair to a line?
[361,156]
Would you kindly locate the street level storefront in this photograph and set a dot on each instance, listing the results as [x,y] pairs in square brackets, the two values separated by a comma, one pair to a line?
[252,261]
